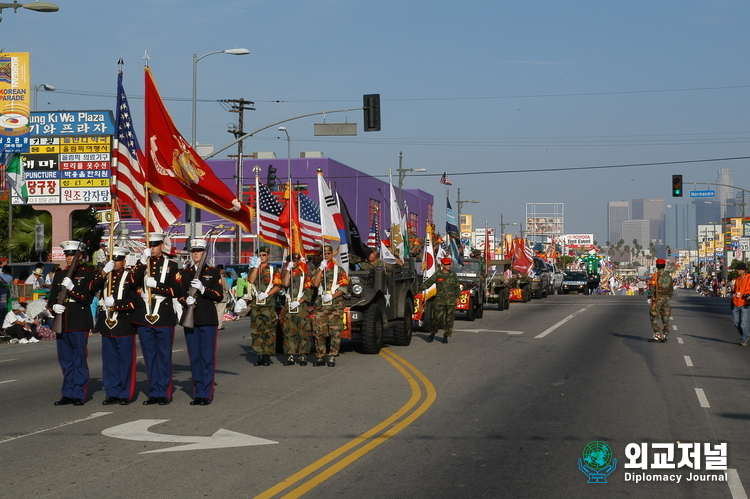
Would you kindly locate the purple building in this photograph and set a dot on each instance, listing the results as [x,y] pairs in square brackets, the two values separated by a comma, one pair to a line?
[362,193]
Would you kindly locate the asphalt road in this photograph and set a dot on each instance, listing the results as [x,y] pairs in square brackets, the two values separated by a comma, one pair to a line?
[504,409]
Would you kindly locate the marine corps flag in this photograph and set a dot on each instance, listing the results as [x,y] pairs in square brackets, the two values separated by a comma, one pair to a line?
[174,168]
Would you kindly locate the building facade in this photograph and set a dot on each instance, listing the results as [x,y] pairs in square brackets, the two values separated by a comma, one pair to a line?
[653,211]
[617,212]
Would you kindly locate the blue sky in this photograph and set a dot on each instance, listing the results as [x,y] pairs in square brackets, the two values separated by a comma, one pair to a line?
[488,86]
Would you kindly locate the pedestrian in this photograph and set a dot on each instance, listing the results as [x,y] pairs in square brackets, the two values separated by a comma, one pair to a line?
[299,293]
[740,301]
[115,324]
[76,322]
[202,289]
[158,277]
[226,294]
[19,326]
[444,302]
[332,283]
[660,287]
[263,317]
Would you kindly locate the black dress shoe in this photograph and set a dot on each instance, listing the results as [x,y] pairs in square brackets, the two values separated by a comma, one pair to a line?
[303,362]
[260,360]
[111,401]
[664,339]
[445,339]
[197,401]
[64,401]
[206,401]
[266,360]
[78,402]
[124,402]
[654,339]
[319,362]
[164,401]
[151,401]
[289,361]
[430,337]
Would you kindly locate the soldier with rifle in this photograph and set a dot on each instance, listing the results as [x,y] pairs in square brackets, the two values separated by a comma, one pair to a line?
[70,301]
[159,279]
[201,290]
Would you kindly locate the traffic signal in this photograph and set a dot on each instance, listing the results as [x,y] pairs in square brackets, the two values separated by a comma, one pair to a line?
[272,179]
[371,106]
[676,186]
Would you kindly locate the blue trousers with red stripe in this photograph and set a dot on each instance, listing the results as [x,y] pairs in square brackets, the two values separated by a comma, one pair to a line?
[201,345]
[72,354]
[156,344]
[118,366]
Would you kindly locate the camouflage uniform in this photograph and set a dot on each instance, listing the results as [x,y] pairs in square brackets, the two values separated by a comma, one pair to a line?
[297,326]
[263,318]
[660,289]
[444,308]
[329,319]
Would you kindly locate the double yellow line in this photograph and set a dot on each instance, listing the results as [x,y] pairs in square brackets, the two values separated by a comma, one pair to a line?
[366,442]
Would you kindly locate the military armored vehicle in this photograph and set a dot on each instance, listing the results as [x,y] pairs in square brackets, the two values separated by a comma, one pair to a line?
[498,284]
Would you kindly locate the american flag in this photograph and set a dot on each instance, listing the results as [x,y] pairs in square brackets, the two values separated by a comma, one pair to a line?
[373,238]
[128,179]
[445,180]
[309,221]
[269,210]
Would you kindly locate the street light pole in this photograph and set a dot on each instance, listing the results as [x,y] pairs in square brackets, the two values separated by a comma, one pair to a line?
[402,174]
[502,231]
[193,141]
[45,86]
[459,203]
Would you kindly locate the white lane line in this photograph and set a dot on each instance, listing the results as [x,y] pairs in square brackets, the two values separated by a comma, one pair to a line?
[549,330]
[8,381]
[674,327]
[487,331]
[679,340]
[735,484]
[7,360]
[688,362]
[702,397]
[94,415]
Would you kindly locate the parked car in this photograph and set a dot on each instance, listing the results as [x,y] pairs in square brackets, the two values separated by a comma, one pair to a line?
[575,281]
[541,279]
[557,276]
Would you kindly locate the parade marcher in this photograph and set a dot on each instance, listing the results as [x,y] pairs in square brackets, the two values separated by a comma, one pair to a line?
[740,302]
[115,323]
[444,307]
[660,287]
[201,339]
[159,279]
[332,283]
[263,318]
[299,292]
[77,321]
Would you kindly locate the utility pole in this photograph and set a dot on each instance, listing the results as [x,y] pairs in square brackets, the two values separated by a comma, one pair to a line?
[239,106]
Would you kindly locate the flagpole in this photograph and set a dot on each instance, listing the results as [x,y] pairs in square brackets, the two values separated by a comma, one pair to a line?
[10,219]
[256,169]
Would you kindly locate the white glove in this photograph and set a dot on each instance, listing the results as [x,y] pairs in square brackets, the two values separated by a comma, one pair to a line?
[649,301]
[109,267]
[327,298]
[151,282]
[58,309]
[190,300]
[262,296]
[109,301]
[294,304]
[323,265]
[197,284]
[68,283]
[290,266]
[145,255]
[254,262]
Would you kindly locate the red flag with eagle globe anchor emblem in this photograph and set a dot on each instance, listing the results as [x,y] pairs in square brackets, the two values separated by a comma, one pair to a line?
[174,168]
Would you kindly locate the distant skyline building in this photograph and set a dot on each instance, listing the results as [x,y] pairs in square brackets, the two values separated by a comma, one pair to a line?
[723,193]
[737,206]
[617,212]
[639,230]
[707,212]
[680,226]
[653,211]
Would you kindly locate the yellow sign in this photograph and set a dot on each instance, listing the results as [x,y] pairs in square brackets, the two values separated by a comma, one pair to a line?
[84,182]
[15,101]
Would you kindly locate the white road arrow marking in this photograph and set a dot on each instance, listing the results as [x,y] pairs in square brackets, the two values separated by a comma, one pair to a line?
[138,431]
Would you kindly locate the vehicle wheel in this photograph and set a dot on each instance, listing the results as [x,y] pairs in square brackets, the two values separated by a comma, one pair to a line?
[566,292]
[402,331]
[471,312]
[372,329]
[480,311]
[526,294]
[585,291]
[506,302]
[500,302]
[427,316]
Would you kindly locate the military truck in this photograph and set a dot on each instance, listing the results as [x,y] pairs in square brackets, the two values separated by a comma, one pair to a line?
[520,287]
[471,277]
[498,284]
[379,306]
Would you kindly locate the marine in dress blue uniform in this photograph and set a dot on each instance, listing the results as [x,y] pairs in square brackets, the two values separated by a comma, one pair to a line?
[77,321]
[159,279]
[201,339]
[115,324]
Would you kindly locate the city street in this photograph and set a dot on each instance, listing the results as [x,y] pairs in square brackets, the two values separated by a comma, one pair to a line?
[505,409]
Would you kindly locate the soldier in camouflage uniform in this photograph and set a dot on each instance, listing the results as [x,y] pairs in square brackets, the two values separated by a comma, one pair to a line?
[477,254]
[263,317]
[448,290]
[332,283]
[660,289]
[296,311]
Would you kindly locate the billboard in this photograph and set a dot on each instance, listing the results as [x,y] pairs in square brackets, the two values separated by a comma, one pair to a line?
[578,239]
[15,102]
